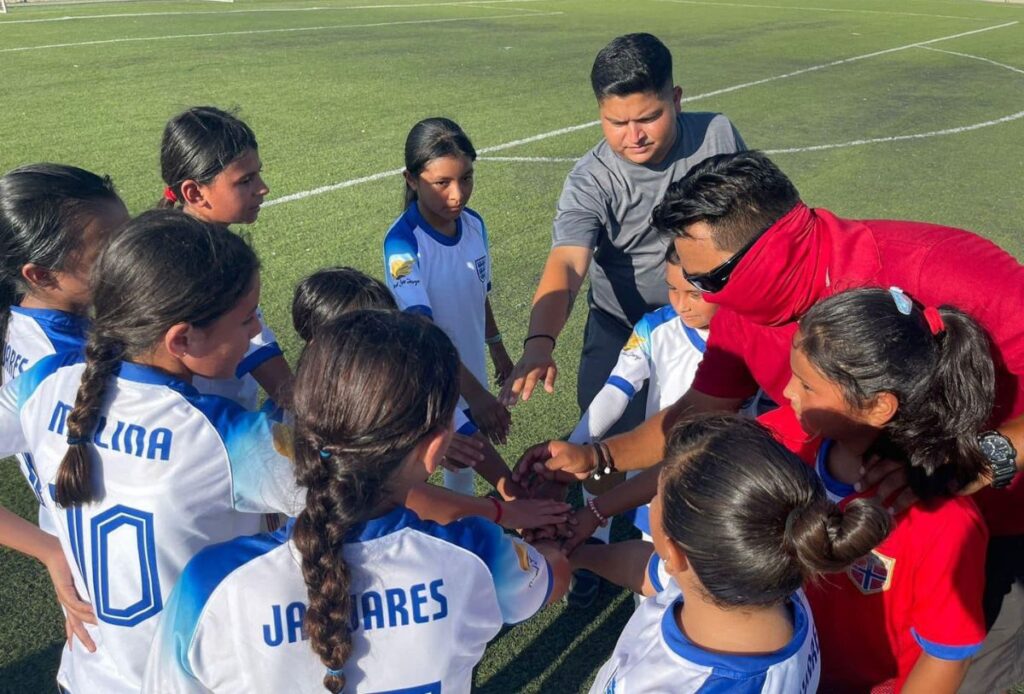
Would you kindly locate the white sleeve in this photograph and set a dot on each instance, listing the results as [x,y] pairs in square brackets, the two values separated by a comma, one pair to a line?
[261,348]
[403,273]
[12,397]
[263,477]
[631,371]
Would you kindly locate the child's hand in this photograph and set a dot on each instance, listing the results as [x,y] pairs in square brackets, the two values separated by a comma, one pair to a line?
[491,416]
[510,491]
[584,523]
[533,513]
[502,363]
[78,612]
[463,452]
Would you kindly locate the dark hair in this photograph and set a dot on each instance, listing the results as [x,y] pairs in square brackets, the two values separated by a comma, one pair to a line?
[332,292]
[44,209]
[671,255]
[368,390]
[738,195]
[754,521]
[632,64]
[944,383]
[433,138]
[200,143]
[164,268]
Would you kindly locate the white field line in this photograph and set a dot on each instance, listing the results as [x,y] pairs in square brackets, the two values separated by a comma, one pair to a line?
[301,195]
[251,32]
[532,160]
[340,8]
[975,57]
[820,9]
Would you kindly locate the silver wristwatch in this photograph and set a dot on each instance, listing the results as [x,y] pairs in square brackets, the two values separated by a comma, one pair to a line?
[1002,457]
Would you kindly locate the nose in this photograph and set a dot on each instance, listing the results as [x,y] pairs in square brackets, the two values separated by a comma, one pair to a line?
[636,132]
[255,329]
[456,193]
[790,390]
[263,187]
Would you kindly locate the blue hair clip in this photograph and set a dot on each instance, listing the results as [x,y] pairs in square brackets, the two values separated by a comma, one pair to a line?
[335,673]
[903,303]
[324,453]
[77,440]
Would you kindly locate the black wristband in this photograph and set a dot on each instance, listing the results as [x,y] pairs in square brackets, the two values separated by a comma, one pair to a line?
[534,337]
[605,464]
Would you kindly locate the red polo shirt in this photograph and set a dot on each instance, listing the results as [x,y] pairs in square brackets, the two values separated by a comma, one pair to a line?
[810,254]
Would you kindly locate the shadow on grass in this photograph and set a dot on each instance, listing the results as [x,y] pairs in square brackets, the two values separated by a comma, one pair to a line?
[33,673]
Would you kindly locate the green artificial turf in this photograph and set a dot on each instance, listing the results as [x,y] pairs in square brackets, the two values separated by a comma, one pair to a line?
[332,90]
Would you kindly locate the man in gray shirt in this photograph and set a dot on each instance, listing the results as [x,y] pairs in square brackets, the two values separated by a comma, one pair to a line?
[604,216]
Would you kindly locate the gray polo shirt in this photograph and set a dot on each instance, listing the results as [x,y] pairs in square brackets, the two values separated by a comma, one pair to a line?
[606,204]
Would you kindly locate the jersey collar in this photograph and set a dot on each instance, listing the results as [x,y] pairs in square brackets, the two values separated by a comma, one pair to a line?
[391,522]
[61,321]
[141,373]
[836,490]
[737,666]
[418,221]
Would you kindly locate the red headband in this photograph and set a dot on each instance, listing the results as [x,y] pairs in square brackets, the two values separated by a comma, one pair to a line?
[169,195]
[934,320]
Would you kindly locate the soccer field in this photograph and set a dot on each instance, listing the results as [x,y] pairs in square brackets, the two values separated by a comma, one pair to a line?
[910,109]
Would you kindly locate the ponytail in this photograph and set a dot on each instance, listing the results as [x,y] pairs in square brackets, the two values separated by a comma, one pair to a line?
[936,362]
[753,520]
[433,138]
[352,436]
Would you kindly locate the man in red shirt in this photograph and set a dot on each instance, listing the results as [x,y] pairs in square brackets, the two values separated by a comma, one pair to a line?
[765,258]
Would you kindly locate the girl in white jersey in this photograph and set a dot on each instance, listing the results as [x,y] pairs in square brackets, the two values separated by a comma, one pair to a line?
[141,471]
[437,263]
[739,523]
[359,593]
[210,163]
[53,221]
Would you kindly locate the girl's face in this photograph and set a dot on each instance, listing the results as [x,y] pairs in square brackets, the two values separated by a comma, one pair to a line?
[686,299]
[216,350]
[443,190]
[235,194]
[818,402]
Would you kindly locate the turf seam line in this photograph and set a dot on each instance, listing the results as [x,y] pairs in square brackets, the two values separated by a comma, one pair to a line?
[301,195]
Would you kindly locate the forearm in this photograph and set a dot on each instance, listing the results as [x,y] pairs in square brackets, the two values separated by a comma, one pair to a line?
[1014,430]
[443,506]
[492,468]
[22,536]
[275,377]
[622,563]
[470,388]
[933,675]
[556,293]
[629,494]
[490,325]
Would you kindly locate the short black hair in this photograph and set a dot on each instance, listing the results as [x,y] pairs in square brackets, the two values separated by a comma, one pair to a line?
[632,64]
[738,195]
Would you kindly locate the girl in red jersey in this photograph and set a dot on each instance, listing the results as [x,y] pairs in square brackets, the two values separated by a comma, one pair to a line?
[876,374]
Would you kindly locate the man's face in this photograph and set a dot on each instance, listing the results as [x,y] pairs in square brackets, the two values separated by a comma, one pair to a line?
[697,251]
[641,128]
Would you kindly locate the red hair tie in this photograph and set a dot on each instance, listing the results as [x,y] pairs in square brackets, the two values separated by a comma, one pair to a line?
[934,320]
[169,195]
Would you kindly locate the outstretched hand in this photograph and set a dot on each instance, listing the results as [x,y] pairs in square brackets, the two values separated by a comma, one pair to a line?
[535,366]
[557,461]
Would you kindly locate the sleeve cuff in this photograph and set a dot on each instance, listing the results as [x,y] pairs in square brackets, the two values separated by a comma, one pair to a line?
[421,309]
[623,385]
[944,652]
[255,359]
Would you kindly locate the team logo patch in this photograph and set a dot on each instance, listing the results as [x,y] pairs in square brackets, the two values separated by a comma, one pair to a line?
[872,573]
[481,268]
[400,265]
[526,562]
[635,342]
[284,440]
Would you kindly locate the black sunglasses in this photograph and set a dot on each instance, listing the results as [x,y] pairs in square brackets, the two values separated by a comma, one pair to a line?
[714,280]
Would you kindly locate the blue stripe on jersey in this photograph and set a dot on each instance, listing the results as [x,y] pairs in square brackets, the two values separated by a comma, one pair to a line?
[942,651]
[421,310]
[652,572]
[834,486]
[716,684]
[737,667]
[642,519]
[203,573]
[27,382]
[400,239]
[417,220]
[65,331]
[468,427]
[695,339]
[623,385]
[251,361]
[654,319]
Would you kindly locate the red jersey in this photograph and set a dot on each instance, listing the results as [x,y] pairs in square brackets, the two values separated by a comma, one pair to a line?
[919,591]
[809,255]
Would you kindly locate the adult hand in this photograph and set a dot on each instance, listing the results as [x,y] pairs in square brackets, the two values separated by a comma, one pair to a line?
[533,513]
[463,452]
[502,363]
[511,490]
[77,611]
[586,524]
[888,478]
[555,460]
[491,416]
[536,365]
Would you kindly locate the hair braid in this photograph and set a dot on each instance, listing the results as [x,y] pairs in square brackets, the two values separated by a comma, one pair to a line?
[102,357]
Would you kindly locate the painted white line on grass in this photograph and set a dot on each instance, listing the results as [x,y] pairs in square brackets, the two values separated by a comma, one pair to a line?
[975,57]
[820,9]
[250,32]
[340,8]
[532,160]
[301,195]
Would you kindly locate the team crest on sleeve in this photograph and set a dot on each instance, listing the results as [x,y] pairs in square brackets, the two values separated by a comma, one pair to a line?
[400,265]
[284,440]
[526,563]
[872,573]
[635,342]
[481,268]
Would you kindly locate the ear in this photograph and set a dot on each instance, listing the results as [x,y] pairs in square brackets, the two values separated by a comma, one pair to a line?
[677,98]
[191,193]
[410,180]
[675,557]
[178,340]
[38,276]
[434,448]
[880,410]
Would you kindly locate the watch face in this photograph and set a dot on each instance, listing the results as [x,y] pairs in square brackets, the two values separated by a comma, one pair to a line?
[995,448]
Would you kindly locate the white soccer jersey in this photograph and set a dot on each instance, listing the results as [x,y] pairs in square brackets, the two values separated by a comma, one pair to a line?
[243,388]
[174,471]
[653,655]
[34,333]
[661,349]
[444,278]
[426,599]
